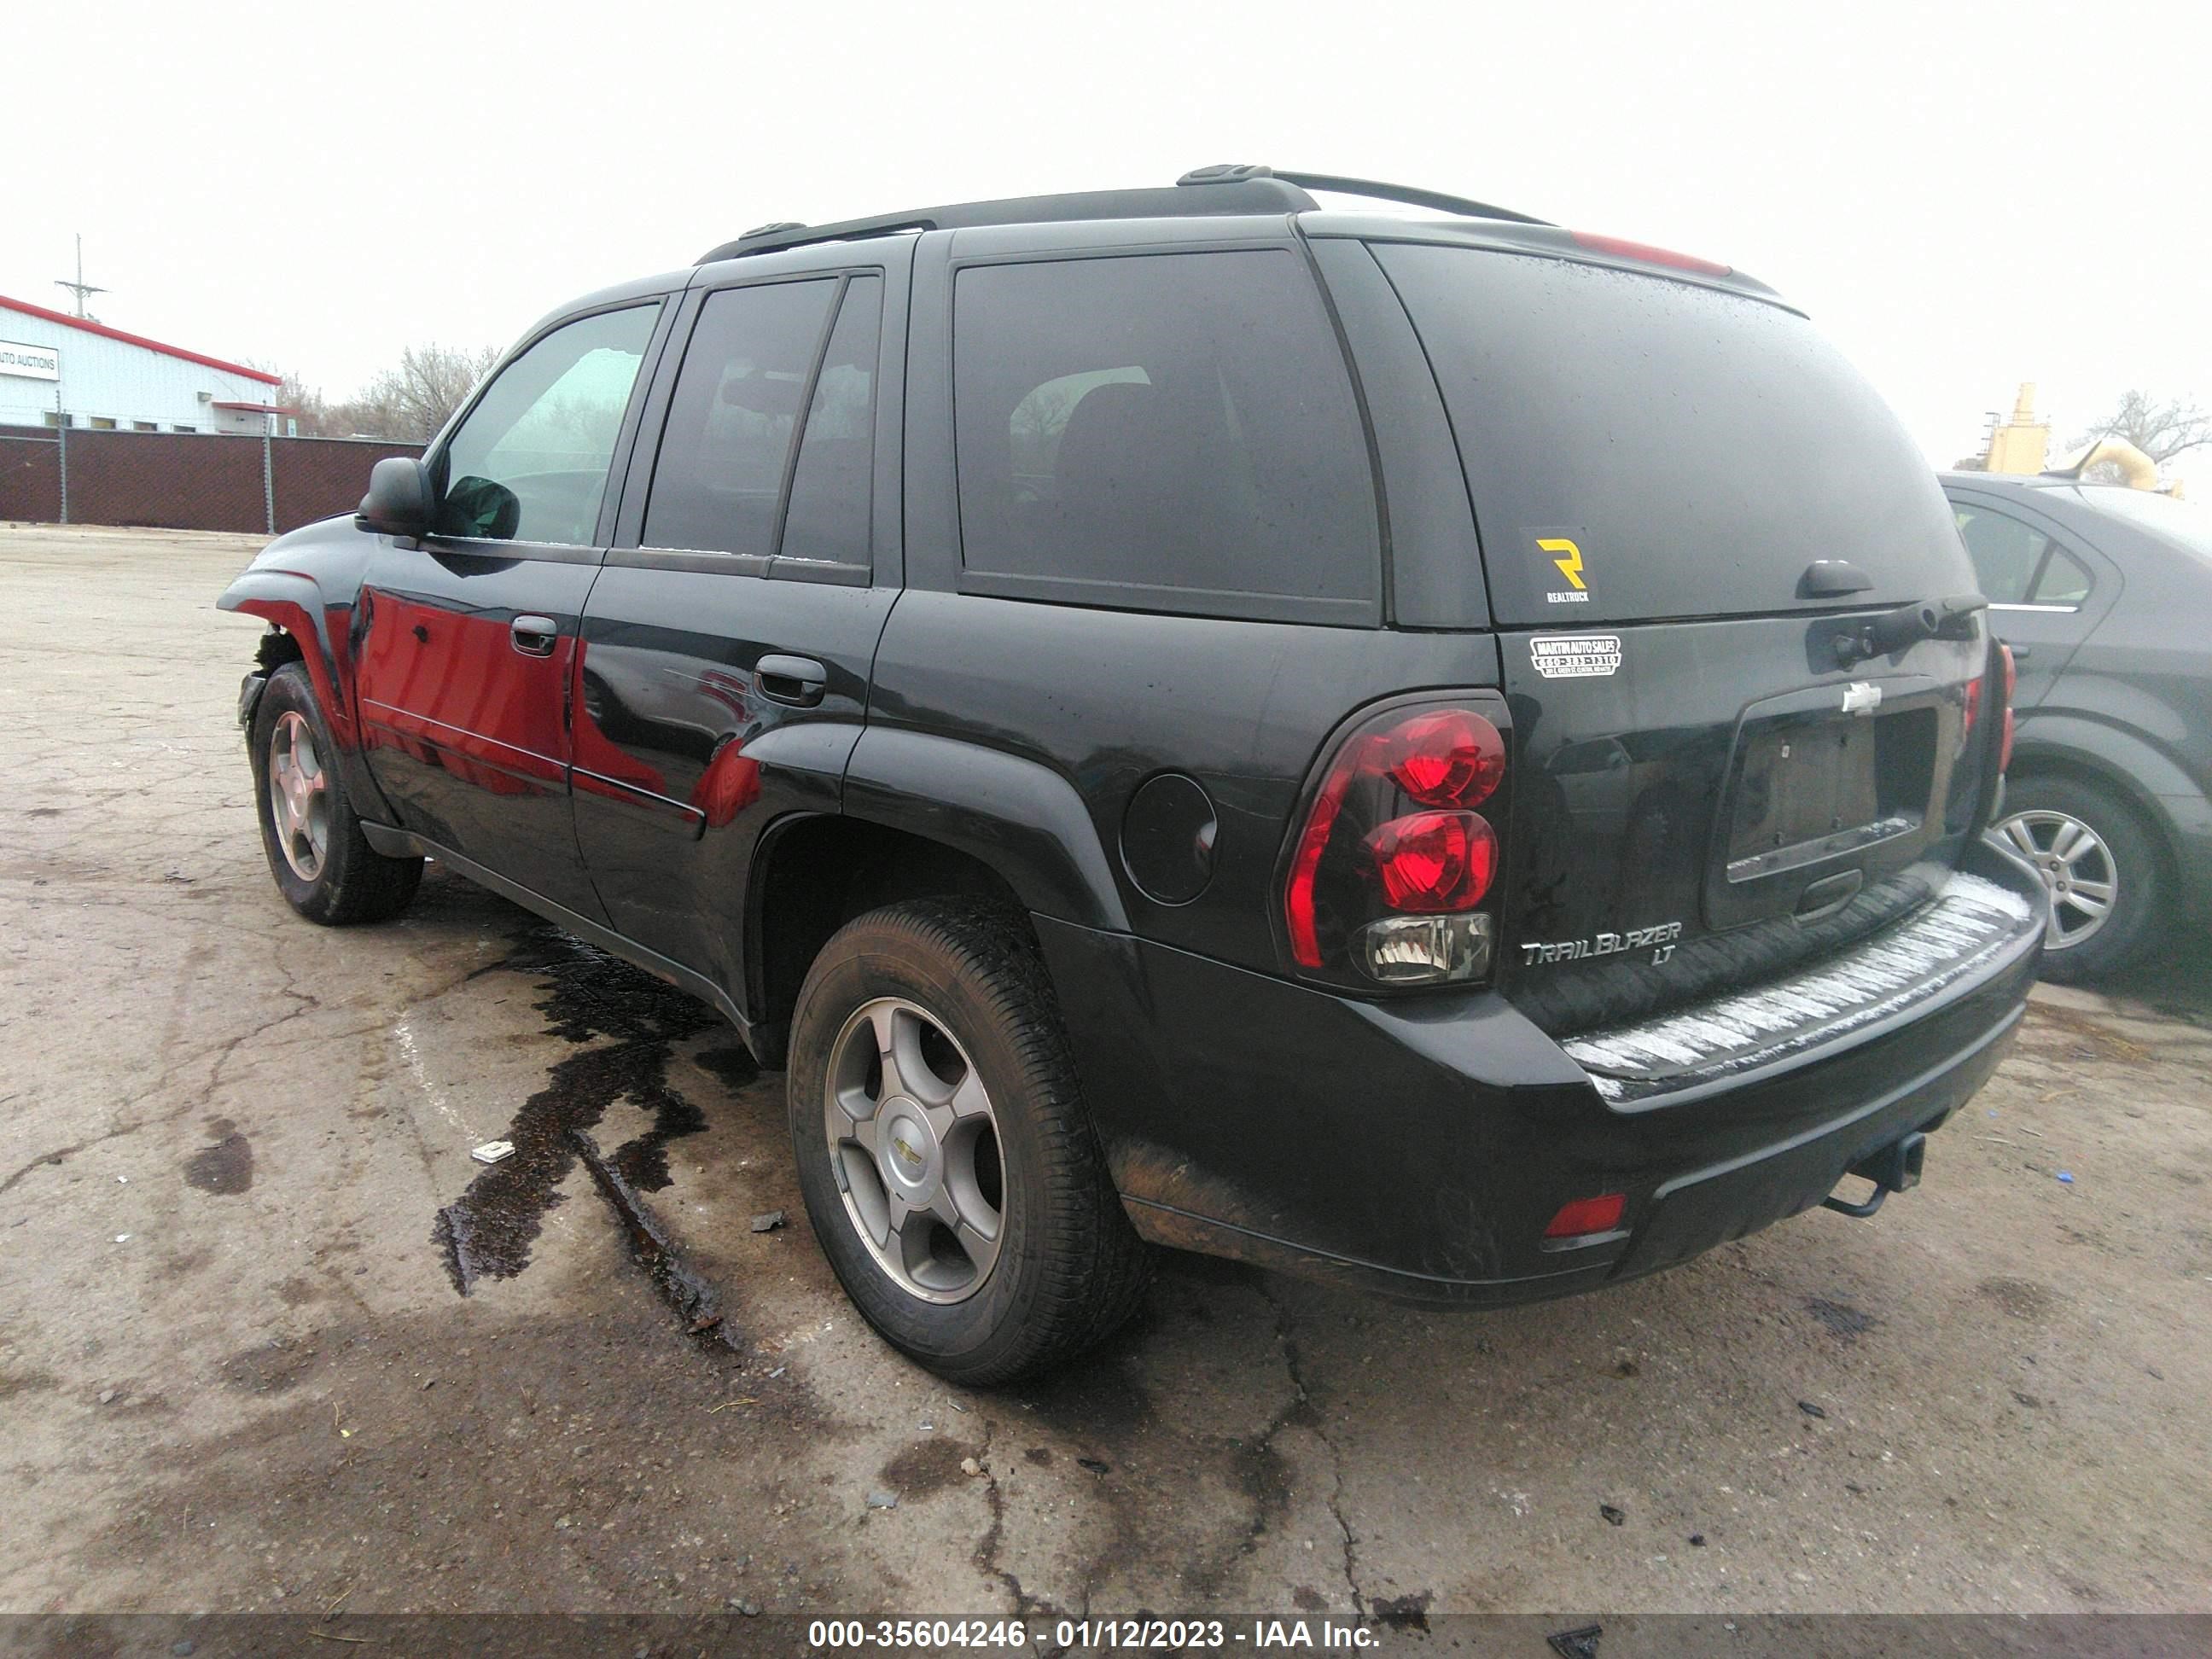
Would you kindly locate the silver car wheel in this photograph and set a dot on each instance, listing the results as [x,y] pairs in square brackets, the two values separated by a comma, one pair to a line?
[914,1144]
[298,795]
[2077,866]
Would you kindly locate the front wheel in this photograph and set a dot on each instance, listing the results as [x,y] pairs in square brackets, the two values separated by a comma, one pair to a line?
[2101,866]
[322,864]
[948,1166]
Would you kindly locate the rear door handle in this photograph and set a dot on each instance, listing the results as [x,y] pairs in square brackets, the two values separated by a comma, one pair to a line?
[796,682]
[534,637]
[2020,653]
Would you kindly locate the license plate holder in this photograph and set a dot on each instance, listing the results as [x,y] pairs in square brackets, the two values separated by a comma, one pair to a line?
[1812,791]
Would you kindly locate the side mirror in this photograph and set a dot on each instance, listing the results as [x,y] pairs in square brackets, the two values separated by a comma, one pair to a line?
[400,501]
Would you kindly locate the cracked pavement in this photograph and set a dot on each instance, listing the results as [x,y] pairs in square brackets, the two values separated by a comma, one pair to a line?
[238,1373]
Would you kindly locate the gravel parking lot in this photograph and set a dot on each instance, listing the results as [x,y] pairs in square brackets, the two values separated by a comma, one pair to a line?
[239,1375]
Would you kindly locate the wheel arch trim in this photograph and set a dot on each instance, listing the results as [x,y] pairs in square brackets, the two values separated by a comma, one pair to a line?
[1016,817]
[2144,776]
[293,602]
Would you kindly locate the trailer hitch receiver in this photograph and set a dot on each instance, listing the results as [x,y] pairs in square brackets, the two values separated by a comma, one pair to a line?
[1894,1169]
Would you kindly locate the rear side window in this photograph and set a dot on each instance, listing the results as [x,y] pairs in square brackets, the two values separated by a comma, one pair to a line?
[2017,563]
[2065,580]
[832,488]
[718,479]
[2007,553]
[1639,447]
[1172,431]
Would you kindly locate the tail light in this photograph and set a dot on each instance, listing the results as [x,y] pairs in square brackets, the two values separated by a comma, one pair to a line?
[2011,684]
[1399,850]
[2010,672]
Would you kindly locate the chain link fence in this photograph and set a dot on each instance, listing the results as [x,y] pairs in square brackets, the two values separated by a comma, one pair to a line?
[183,480]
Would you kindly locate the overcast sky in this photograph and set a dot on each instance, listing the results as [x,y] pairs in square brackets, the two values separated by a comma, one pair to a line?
[1963,197]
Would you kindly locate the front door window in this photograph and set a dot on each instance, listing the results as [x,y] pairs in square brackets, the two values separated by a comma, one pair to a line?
[529,463]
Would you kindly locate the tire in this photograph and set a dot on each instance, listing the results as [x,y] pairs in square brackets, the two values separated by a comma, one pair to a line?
[2112,850]
[1064,1268]
[339,878]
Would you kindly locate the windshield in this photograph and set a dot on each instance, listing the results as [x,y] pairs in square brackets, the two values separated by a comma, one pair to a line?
[1639,447]
[2185,523]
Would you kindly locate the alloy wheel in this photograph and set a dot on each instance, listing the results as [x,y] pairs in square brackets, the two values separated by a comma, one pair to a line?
[298,795]
[2076,865]
[914,1144]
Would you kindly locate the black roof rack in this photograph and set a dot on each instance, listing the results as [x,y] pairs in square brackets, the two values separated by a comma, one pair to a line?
[1228,189]
[1411,195]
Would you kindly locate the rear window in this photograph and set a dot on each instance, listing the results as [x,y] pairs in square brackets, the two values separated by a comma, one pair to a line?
[2184,524]
[1639,447]
[1172,431]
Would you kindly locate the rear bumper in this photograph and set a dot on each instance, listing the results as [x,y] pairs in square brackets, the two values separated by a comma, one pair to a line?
[1417,1148]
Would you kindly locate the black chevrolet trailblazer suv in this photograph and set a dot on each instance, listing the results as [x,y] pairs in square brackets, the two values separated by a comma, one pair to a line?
[1434,752]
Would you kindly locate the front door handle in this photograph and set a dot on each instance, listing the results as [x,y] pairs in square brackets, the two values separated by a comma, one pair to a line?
[2020,653]
[534,637]
[796,682]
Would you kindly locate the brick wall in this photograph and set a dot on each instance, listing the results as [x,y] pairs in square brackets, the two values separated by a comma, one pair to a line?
[317,476]
[30,476]
[184,481]
[177,480]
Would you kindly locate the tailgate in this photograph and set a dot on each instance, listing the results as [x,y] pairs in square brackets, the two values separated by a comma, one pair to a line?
[1685,497]
[1696,808]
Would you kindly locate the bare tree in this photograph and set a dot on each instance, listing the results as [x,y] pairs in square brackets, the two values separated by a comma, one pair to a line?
[2160,430]
[411,400]
[303,402]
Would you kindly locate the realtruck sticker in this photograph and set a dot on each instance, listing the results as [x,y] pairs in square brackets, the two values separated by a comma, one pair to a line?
[1575,656]
[1566,556]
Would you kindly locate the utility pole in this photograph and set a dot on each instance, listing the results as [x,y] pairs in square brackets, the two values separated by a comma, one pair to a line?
[80,287]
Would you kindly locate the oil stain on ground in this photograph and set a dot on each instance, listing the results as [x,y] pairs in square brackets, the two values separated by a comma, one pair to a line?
[225,1167]
[625,1023]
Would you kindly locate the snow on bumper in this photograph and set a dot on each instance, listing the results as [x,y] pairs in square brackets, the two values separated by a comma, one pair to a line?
[1972,925]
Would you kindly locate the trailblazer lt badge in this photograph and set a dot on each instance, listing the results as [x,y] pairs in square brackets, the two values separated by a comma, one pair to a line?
[1659,940]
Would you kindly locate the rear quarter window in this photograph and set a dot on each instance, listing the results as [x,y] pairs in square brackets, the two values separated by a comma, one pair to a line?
[1639,447]
[1173,431]
[2006,552]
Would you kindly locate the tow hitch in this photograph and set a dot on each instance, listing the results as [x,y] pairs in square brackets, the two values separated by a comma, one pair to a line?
[1894,1169]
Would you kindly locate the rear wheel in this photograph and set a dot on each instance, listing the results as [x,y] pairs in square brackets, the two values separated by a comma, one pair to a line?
[322,864]
[948,1166]
[2100,864]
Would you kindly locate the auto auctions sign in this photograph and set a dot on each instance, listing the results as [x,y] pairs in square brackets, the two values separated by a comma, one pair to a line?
[31,362]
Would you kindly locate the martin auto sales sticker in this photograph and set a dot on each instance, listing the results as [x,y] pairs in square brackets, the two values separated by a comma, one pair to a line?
[1576,656]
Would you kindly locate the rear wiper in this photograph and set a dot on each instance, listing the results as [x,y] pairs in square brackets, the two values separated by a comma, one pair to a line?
[1907,625]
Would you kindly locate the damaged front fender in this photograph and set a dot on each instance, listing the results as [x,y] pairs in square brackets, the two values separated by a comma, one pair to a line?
[306,585]
[294,603]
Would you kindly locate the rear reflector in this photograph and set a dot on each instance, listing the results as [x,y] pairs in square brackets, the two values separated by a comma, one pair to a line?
[1588,1215]
[1645,253]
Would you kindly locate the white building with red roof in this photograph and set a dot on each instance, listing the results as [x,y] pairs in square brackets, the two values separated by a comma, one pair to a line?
[58,369]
